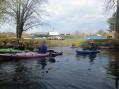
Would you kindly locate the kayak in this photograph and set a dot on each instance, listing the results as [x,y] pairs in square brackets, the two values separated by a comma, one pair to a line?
[84,52]
[28,55]
[54,54]
[9,50]
[23,55]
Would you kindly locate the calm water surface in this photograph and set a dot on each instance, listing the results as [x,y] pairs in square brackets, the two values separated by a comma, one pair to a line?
[64,72]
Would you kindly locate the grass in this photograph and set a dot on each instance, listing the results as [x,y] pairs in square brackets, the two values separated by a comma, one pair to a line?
[66,42]
[72,37]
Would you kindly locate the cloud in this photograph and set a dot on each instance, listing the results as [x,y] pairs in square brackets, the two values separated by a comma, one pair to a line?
[82,15]
[71,15]
[60,8]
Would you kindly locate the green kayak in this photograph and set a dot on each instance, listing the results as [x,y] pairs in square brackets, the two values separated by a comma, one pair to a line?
[9,50]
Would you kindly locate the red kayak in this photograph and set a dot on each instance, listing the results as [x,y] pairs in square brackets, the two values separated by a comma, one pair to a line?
[24,55]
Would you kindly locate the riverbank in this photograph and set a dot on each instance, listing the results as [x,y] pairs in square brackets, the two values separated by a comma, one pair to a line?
[106,43]
[34,43]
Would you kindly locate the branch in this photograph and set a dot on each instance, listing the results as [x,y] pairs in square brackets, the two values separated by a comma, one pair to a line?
[110,4]
[34,25]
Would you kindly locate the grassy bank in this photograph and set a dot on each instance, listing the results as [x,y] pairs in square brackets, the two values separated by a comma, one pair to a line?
[110,43]
[66,42]
[33,43]
[105,43]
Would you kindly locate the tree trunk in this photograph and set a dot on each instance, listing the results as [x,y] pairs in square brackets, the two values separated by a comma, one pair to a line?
[117,21]
[19,30]
[19,26]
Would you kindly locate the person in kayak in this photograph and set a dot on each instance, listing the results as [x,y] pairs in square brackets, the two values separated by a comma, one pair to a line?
[42,47]
[93,46]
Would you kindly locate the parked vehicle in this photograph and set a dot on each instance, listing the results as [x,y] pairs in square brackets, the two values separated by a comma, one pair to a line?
[55,38]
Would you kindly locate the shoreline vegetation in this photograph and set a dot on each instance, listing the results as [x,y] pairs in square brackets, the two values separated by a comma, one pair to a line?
[69,40]
[105,43]
[31,44]
[34,43]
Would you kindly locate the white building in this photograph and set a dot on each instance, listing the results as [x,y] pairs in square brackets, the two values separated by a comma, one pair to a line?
[54,34]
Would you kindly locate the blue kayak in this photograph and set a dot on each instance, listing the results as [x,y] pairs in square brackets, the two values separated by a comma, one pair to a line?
[86,52]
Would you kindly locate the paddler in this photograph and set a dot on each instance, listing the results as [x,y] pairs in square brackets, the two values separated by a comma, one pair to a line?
[42,47]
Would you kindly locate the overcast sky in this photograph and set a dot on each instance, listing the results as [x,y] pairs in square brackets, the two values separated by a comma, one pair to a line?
[74,15]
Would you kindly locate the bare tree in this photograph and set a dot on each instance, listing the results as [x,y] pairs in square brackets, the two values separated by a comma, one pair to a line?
[25,13]
[2,2]
[114,4]
[2,7]
[117,20]
[110,4]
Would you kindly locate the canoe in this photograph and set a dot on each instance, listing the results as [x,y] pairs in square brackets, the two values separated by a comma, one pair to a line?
[23,55]
[84,52]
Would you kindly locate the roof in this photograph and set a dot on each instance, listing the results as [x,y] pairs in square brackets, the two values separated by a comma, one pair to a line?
[94,37]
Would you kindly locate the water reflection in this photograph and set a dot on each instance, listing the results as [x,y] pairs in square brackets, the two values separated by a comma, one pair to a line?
[113,68]
[22,77]
[43,63]
[52,60]
[91,57]
[19,74]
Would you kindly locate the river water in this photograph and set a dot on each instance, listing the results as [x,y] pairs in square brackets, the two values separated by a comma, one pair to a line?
[68,71]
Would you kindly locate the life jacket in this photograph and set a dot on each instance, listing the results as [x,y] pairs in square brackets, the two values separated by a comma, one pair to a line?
[42,49]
